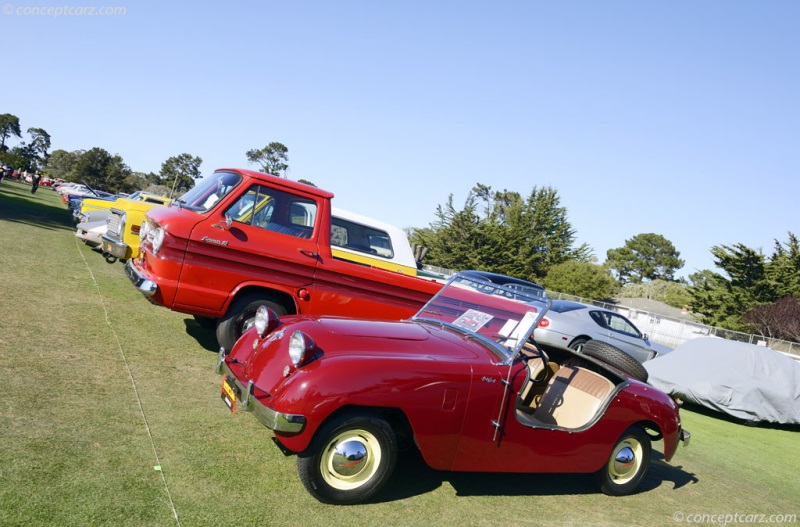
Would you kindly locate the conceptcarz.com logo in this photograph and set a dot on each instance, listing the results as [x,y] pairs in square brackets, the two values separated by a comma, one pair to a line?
[64,10]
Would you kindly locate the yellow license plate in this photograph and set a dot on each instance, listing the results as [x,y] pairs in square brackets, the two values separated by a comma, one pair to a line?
[228,394]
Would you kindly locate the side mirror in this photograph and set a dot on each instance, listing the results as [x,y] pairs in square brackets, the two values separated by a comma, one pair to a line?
[224,225]
[645,337]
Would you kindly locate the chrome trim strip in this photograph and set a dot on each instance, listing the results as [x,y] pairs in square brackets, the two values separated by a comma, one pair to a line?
[277,421]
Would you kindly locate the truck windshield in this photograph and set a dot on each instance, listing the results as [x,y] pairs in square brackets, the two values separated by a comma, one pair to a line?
[209,190]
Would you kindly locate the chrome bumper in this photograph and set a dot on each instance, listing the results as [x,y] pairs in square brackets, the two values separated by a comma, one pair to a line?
[145,286]
[277,421]
[115,248]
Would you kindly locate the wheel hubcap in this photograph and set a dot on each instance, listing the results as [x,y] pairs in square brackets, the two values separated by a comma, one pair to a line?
[624,461]
[349,458]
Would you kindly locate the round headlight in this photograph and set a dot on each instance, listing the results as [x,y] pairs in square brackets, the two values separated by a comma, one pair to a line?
[300,345]
[262,317]
[266,320]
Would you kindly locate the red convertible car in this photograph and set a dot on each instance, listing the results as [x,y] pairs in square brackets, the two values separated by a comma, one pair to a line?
[461,380]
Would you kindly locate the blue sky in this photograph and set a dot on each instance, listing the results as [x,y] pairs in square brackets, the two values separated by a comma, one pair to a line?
[680,118]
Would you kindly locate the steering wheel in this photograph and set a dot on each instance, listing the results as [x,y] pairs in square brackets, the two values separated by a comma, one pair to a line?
[541,355]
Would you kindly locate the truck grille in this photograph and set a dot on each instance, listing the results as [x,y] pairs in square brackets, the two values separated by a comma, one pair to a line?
[116,224]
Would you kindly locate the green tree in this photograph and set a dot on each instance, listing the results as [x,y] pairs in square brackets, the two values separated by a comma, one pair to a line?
[9,127]
[646,256]
[179,172]
[582,279]
[671,293]
[61,164]
[16,157]
[40,143]
[36,150]
[273,158]
[499,231]
[101,170]
[749,280]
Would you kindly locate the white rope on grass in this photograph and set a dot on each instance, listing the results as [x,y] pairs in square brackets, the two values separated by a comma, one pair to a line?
[133,384]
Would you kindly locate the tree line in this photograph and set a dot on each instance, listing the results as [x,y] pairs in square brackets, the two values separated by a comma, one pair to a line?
[529,237]
[103,170]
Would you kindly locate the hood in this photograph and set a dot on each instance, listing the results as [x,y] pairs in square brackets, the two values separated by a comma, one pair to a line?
[355,338]
[375,329]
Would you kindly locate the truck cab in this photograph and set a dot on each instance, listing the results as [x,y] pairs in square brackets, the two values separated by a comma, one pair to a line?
[240,239]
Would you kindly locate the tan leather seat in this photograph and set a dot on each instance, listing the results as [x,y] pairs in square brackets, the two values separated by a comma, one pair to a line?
[573,397]
[532,391]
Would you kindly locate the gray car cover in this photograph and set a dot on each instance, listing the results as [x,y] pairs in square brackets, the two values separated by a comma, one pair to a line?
[746,381]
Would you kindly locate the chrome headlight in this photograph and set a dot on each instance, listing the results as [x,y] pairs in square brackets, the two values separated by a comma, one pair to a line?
[266,320]
[300,346]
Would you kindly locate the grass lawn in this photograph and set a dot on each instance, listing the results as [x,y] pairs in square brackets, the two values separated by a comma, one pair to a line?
[111,416]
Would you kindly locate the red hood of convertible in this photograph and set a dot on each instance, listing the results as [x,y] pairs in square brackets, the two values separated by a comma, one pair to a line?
[375,329]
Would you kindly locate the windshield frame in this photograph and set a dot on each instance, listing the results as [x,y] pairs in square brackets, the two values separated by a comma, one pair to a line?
[468,304]
[210,191]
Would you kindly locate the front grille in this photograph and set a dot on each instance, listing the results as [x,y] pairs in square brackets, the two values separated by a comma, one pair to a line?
[116,221]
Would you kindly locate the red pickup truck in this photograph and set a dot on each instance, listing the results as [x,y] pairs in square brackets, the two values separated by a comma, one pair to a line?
[240,239]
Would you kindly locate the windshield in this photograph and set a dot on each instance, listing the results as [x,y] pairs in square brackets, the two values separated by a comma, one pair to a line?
[209,190]
[502,317]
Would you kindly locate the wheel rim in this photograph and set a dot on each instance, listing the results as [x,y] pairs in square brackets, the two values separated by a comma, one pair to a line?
[350,459]
[625,461]
[246,321]
[578,346]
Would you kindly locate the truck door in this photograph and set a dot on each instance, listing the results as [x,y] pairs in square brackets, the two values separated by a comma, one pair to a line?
[264,236]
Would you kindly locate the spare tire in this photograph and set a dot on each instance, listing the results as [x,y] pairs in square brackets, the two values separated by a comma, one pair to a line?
[615,357]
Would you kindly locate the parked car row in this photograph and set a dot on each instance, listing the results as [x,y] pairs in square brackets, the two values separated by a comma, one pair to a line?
[349,357]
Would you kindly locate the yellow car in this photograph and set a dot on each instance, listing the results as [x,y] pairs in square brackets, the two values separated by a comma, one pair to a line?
[96,209]
[121,240]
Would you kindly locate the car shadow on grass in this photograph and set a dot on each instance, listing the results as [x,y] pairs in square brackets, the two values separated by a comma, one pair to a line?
[204,336]
[413,477]
[18,205]
[716,414]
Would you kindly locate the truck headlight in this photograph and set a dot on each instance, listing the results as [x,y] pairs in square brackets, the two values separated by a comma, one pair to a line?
[157,239]
[300,346]
[143,231]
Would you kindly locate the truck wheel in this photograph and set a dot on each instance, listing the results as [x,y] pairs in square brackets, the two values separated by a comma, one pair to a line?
[240,317]
[349,460]
[627,464]
[615,357]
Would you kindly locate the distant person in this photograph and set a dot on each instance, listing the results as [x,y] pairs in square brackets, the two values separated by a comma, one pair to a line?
[2,173]
[35,182]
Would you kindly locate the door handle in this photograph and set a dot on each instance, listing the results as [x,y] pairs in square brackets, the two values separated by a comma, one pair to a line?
[310,253]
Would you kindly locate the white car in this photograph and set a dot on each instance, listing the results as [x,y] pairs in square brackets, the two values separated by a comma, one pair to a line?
[571,325]
[92,232]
